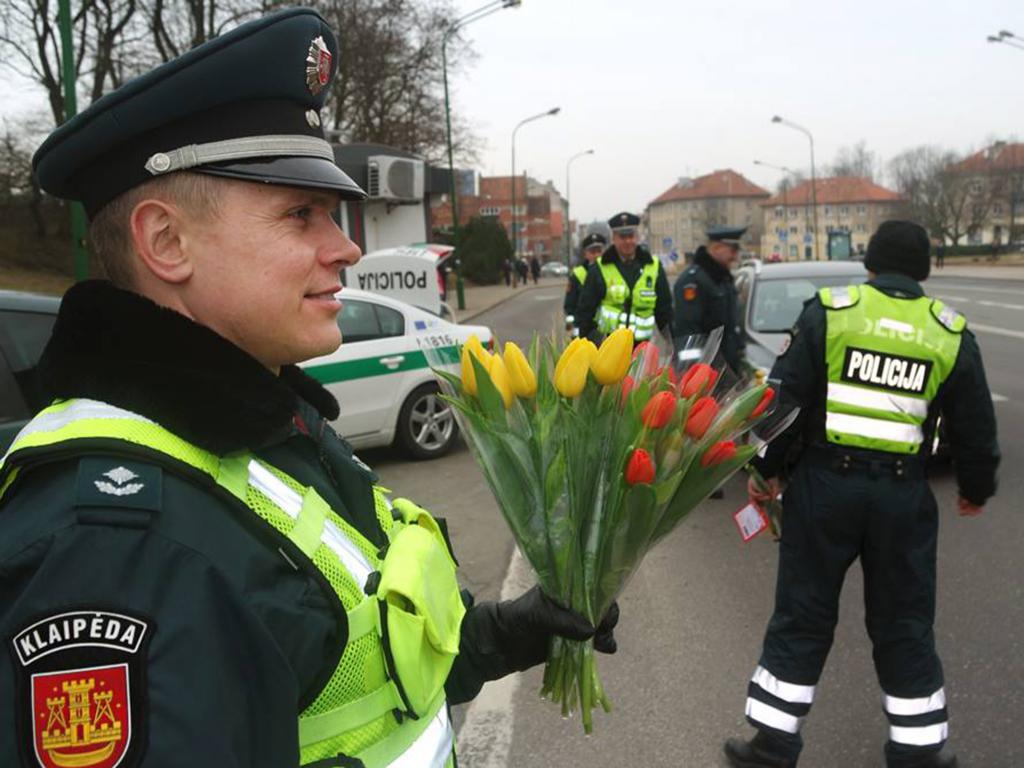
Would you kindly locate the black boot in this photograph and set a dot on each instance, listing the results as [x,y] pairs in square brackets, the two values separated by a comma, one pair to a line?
[756,753]
[944,758]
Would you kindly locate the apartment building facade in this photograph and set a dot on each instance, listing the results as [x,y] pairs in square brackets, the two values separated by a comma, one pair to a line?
[846,206]
[681,215]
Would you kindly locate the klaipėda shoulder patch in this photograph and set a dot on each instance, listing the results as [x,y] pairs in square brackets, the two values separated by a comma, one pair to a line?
[81,698]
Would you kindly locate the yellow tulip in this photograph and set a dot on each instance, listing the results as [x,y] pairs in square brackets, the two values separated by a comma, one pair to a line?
[521,375]
[614,357]
[500,379]
[475,348]
[568,352]
[572,377]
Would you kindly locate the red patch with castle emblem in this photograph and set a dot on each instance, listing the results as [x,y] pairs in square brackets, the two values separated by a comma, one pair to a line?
[81,700]
[82,717]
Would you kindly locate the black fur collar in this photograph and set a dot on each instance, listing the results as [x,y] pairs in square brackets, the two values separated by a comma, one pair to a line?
[121,348]
[715,271]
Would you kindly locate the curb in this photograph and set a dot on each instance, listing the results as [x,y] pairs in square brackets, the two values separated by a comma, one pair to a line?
[499,302]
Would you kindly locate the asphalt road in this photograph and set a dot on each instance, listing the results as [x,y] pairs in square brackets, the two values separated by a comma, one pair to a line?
[693,617]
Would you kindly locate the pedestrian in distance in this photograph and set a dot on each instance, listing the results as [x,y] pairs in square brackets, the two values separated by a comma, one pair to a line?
[506,271]
[522,270]
[592,247]
[197,570]
[940,255]
[626,288]
[704,295]
[535,269]
[871,368]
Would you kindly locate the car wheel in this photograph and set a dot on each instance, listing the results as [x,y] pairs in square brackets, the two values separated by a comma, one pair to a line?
[426,424]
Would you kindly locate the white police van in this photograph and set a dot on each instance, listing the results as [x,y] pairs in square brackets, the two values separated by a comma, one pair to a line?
[381,377]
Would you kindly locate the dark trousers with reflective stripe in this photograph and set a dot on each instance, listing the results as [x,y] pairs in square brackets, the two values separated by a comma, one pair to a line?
[831,518]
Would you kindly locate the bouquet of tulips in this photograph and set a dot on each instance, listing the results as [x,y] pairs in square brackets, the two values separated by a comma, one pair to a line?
[594,455]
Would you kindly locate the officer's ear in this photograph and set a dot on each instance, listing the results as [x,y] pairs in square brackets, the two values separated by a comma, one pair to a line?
[157,236]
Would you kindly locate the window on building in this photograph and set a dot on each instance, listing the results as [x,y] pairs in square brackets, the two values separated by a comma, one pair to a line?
[975,187]
[793,213]
[793,230]
[828,210]
[997,209]
[862,210]
[489,210]
[794,251]
[862,227]
[779,212]
[844,210]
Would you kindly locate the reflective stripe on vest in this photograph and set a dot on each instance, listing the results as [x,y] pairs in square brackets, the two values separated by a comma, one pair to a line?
[886,359]
[612,313]
[353,713]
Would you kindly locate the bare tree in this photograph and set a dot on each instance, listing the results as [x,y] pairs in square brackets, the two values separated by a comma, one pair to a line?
[175,26]
[857,160]
[30,46]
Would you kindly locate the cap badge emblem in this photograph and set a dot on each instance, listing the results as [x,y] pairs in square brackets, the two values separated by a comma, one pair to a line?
[318,66]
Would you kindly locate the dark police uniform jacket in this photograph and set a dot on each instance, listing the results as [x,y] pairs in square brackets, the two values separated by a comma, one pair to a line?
[592,293]
[964,400]
[705,298]
[240,638]
[572,291]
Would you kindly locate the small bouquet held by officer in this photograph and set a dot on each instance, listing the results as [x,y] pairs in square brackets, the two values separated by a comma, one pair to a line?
[594,455]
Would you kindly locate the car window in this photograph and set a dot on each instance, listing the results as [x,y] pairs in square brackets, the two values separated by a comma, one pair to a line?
[392,322]
[358,322]
[778,301]
[22,338]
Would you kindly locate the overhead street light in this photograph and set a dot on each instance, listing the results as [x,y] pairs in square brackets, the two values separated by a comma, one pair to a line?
[1006,37]
[479,13]
[568,233]
[814,180]
[550,113]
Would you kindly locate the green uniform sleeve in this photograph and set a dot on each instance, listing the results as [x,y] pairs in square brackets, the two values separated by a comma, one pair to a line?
[663,309]
[217,687]
[591,296]
[689,296]
[970,423]
[800,371]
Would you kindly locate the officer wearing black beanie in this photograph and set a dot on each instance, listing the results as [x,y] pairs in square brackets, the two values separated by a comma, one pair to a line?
[899,246]
[871,367]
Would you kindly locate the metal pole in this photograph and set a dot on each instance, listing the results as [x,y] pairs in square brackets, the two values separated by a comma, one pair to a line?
[568,235]
[479,13]
[520,124]
[81,255]
[814,199]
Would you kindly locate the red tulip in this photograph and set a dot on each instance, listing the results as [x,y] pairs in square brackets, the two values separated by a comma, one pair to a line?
[659,410]
[673,377]
[627,387]
[766,399]
[640,467]
[698,380]
[701,415]
[717,453]
[647,353]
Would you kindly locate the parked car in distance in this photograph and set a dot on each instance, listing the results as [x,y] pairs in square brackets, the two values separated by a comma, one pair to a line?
[381,374]
[554,269]
[26,320]
[771,297]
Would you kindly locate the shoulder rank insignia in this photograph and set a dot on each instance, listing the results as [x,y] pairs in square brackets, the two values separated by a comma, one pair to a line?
[81,694]
[110,482]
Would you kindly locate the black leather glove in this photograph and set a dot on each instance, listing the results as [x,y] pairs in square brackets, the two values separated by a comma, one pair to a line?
[604,638]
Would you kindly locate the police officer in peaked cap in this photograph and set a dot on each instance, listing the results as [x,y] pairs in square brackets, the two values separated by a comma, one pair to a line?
[197,569]
[591,247]
[704,294]
[871,367]
[626,287]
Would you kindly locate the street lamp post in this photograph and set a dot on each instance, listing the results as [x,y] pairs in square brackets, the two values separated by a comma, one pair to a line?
[814,180]
[479,13]
[568,232]
[515,239]
[70,109]
[785,192]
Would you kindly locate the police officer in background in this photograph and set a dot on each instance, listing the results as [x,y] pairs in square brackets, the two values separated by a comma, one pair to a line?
[626,288]
[705,295]
[591,247]
[196,568]
[871,368]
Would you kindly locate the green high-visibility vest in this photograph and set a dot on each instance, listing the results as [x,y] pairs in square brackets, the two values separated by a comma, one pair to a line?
[402,639]
[613,314]
[886,359]
[580,273]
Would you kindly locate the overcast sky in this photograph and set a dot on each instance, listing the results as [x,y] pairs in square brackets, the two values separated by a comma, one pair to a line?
[662,89]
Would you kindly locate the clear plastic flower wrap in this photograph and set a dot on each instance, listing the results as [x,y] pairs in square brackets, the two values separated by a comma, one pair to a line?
[594,455]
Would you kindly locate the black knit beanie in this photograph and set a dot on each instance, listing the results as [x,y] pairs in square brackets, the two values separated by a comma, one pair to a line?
[899,246]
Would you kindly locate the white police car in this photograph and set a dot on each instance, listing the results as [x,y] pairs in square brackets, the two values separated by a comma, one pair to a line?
[381,377]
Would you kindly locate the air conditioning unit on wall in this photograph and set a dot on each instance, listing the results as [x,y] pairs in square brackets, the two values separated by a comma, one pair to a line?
[395,179]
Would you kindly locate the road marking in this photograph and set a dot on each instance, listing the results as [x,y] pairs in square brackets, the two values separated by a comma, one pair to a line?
[546,298]
[485,739]
[998,398]
[958,299]
[1001,305]
[971,288]
[997,331]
